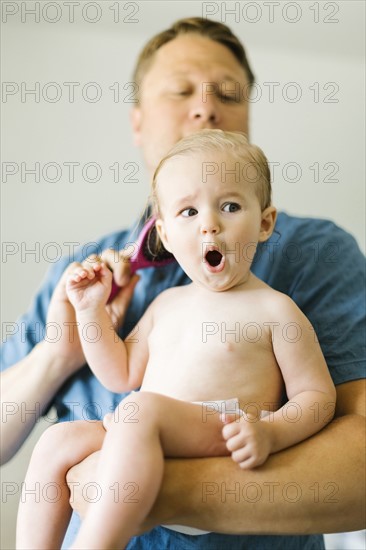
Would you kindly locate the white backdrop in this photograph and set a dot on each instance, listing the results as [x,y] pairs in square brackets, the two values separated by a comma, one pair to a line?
[307,114]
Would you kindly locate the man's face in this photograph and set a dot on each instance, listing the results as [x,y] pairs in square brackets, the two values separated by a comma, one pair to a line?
[193,83]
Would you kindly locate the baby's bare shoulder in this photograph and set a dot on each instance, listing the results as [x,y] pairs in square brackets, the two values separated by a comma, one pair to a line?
[171,295]
[279,304]
[273,300]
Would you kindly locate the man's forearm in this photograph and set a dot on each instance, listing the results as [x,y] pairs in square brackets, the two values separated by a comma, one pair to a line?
[317,486]
[26,390]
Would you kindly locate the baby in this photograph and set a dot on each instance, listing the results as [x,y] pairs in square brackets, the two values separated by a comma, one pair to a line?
[209,358]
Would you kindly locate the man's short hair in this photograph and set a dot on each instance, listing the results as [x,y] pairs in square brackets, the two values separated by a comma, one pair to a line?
[218,32]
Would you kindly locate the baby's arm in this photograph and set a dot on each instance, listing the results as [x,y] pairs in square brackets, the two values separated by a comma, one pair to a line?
[118,367]
[309,387]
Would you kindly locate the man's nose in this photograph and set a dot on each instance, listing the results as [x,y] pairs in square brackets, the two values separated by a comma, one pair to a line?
[205,110]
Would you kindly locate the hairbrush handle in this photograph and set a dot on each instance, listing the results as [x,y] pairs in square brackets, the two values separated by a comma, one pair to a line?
[115,288]
[142,256]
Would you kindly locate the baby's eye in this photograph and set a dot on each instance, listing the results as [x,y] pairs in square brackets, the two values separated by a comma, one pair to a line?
[188,212]
[231,207]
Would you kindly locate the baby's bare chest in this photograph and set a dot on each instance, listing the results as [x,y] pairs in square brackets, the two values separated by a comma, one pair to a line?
[228,329]
[202,352]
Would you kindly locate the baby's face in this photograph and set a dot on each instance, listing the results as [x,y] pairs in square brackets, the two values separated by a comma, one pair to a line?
[211,219]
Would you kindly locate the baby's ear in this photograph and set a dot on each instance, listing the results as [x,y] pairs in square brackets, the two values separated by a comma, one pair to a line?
[160,228]
[268,221]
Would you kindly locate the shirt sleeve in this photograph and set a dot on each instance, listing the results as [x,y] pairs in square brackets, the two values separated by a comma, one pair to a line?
[21,336]
[322,268]
[331,288]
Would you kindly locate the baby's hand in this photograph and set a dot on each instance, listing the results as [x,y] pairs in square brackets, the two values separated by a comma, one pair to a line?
[89,285]
[247,438]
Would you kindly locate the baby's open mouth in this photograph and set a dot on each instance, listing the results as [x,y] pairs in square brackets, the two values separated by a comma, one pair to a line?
[213,258]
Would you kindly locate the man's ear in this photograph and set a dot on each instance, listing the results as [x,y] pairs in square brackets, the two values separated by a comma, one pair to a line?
[160,228]
[135,119]
[268,221]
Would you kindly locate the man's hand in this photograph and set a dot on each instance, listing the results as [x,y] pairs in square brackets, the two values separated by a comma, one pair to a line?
[61,314]
[119,265]
[77,477]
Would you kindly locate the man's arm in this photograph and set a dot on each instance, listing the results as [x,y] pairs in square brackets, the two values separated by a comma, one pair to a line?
[29,385]
[27,388]
[316,486]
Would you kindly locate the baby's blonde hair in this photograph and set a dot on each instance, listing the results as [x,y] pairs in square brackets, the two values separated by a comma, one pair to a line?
[233,143]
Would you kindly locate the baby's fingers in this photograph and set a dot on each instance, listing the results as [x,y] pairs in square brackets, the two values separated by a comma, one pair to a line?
[229,430]
[247,456]
[236,442]
[81,273]
[242,455]
[84,271]
[248,462]
[78,275]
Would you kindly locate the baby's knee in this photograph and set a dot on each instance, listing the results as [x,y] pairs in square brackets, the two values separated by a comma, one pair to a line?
[137,407]
[55,443]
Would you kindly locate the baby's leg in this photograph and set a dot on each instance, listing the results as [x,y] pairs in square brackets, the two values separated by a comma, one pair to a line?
[147,426]
[44,509]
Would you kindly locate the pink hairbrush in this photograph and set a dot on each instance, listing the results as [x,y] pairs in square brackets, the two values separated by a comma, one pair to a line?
[145,253]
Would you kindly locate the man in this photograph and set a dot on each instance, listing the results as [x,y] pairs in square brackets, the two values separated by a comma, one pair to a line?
[184,75]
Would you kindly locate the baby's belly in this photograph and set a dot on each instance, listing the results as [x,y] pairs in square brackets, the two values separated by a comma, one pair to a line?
[256,387]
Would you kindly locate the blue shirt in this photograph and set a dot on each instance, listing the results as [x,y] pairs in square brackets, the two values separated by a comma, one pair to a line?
[313,261]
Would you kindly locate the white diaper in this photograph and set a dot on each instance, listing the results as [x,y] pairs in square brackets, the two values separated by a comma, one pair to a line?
[222,405]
